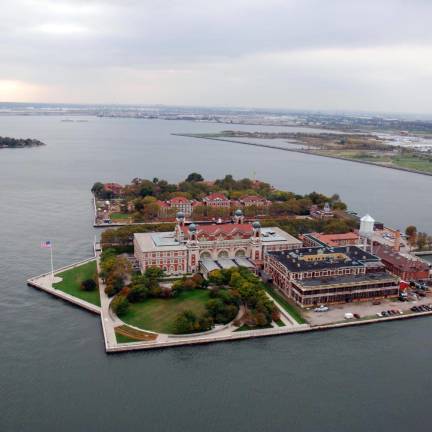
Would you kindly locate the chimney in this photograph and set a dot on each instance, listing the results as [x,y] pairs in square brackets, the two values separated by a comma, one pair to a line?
[396,246]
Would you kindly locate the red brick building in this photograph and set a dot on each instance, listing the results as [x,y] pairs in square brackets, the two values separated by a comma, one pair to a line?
[405,268]
[325,275]
[319,239]
[217,199]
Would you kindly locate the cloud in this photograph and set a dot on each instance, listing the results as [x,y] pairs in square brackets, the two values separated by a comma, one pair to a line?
[290,53]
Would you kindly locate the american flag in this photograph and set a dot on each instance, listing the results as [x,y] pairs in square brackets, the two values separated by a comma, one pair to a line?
[46,244]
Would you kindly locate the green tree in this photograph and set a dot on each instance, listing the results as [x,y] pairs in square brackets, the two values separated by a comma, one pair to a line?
[97,188]
[411,233]
[185,322]
[88,285]
[194,177]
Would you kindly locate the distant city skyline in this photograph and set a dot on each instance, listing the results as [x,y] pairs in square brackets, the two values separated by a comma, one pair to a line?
[276,54]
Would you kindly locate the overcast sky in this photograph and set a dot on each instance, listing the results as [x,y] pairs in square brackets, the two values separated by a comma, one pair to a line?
[371,55]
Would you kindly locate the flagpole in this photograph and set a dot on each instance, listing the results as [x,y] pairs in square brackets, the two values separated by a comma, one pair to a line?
[52,263]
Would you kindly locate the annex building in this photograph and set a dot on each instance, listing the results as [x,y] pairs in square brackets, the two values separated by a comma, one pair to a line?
[192,248]
[325,275]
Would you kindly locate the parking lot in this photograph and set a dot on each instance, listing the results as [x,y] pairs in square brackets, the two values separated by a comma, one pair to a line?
[336,313]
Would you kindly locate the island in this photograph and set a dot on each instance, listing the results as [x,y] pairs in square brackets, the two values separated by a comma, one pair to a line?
[6,142]
[157,201]
[252,261]
[359,147]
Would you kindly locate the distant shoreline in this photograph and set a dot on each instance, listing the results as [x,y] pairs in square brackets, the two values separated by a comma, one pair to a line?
[276,147]
[19,143]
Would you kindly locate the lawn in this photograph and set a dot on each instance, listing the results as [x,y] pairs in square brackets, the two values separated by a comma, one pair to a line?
[412,162]
[292,310]
[118,216]
[158,315]
[408,161]
[72,279]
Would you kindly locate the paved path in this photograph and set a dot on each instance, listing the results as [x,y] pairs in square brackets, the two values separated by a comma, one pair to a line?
[108,323]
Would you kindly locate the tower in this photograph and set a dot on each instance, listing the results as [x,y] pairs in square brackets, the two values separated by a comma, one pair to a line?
[366,231]
[193,249]
[256,251]
[180,219]
[256,229]
[238,216]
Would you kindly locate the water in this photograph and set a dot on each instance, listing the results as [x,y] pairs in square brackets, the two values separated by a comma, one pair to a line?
[54,373]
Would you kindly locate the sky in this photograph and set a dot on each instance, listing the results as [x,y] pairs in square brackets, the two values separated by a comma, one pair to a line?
[368,55]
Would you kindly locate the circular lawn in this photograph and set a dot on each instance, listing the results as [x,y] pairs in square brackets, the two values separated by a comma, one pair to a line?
[159,315]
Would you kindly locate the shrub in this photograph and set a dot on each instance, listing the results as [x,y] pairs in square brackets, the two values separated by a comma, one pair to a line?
[275,315]
[188,322]
[88,285]
[137,293]
[120,305]
[185,322]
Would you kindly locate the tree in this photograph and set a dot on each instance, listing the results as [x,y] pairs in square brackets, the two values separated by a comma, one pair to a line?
[137,293]
[88,285]
[153,272]
[411,233]
[422,240]
[185,322]
[97,188]
[216,277]
[194,177]
[261,319]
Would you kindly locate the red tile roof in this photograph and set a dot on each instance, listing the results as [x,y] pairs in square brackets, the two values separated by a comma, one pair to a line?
[333,239]
[215,196]
[162,204]
[253,198]
[179,200]
[114,187]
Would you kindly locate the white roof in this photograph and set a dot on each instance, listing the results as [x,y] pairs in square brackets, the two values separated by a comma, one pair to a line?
[160,241]
[367,218]
[209,264]
[275,234]
[226,263]
[243,262]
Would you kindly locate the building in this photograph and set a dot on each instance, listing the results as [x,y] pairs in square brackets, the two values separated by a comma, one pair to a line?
[163,208]
[319,239]
[192,248]
[115,188]
[400,265]
[325,275]
[181,204]
[254,200]
[217,199]
[324,213]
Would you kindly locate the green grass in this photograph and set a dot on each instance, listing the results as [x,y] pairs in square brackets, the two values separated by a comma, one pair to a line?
[71,283]
[292,310]
[117,216]
[412,162]
[280,323]
[159,315]
[408,161]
